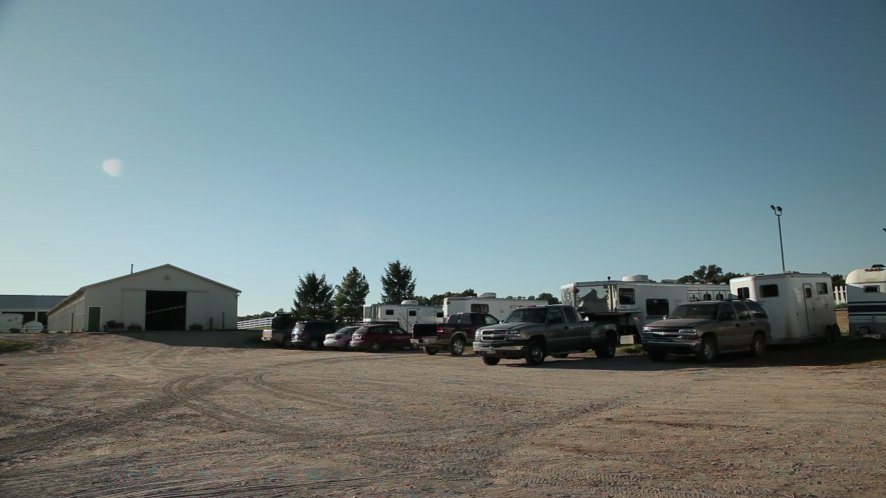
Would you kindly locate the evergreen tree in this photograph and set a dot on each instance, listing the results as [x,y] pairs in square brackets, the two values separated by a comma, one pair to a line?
[397,283]
[350,297]
[313,298]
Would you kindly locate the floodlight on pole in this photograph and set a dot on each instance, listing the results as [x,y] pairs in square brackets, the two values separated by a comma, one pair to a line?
[777,211]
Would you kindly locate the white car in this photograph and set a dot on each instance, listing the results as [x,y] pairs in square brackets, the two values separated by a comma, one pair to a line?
[340,338]
[34,327]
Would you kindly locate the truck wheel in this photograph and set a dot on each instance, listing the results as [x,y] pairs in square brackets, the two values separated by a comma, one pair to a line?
[708,351]
[656,355]
[491,360]
[314,344]
[758,345]
[608,349]
[457,348]
[535,353]
[430,351]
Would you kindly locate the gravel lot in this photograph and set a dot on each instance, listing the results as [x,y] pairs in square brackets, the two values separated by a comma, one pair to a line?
[223,414]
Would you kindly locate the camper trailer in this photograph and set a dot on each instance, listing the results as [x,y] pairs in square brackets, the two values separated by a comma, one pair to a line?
[866,300]
[634,300]
[407,313]
[11,322]
[800,305]
[486,303]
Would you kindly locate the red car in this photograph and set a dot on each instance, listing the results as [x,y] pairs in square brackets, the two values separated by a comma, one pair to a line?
[377,336]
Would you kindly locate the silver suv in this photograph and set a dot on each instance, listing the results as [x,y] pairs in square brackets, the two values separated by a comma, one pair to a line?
[708,328]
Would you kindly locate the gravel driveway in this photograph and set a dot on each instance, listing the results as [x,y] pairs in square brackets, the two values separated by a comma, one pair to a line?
[224,414]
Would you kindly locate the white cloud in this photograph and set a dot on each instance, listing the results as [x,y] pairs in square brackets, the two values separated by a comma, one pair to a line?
[113,167]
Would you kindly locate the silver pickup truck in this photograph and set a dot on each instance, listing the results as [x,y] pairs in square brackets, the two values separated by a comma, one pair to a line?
[532,333]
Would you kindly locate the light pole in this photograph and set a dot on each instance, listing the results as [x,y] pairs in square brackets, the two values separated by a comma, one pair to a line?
[777,211]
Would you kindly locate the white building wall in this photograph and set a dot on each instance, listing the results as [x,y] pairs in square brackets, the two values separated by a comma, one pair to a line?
[209,304]
[71,318]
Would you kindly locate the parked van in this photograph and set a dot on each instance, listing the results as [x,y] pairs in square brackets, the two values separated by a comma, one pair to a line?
[800,305]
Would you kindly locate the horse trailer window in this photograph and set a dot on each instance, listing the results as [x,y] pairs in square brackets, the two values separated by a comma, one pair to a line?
[657,307]
[626,296]
[411,312]
[872,288]
[744,292]
[769,290]
[822,288]
[389,312]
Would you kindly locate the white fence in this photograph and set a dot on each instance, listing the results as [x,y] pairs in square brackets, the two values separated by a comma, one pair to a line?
[840,294]
[256,323]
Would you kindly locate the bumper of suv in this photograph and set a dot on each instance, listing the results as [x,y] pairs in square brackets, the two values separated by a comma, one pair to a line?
[501,350]
[653,343]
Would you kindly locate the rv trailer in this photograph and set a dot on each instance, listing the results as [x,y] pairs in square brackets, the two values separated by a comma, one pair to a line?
[407,313]
[800,305]
[866,300]
[486,303]
[634,300]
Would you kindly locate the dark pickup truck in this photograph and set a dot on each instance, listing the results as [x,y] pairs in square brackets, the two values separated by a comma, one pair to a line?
[453,334]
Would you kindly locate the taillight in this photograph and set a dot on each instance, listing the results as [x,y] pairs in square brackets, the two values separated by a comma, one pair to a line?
[439,329]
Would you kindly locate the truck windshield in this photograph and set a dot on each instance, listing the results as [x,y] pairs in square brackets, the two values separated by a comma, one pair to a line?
[530,315]
[703,311]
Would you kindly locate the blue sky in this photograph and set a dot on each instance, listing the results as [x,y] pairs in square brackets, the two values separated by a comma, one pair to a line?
[504,146]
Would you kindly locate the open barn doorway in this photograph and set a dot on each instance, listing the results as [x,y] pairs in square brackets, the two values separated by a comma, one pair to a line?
[165,310]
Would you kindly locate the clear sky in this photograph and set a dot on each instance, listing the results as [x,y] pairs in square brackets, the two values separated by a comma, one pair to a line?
[505,146]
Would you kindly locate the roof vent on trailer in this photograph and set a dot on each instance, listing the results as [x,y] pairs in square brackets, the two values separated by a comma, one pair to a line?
[877,268]
[635,278]
[487,295]
[409,302]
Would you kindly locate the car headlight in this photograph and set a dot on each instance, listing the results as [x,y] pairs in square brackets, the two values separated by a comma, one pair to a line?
[647,329]
[688,333]
[513,333]
[478,335]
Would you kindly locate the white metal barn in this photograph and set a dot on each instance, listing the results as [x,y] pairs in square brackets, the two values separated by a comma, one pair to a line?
[161,298]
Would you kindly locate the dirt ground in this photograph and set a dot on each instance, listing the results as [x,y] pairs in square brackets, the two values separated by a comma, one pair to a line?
[224,414]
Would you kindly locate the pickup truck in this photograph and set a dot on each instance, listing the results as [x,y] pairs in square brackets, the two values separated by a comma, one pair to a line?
[453,334]
[535,332]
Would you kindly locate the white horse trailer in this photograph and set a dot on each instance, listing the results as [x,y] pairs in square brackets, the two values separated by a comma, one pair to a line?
[407,313]
[635,300]
[866,300]
[800,306]
[486,303]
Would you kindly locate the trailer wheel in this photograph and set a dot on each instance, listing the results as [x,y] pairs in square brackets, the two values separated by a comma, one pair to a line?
[758,345]
[491,360]
[457,347]
[831,334]
[535,353]
[708,351]
[430,350]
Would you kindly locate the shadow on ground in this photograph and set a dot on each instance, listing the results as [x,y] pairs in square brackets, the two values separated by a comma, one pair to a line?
[241,339]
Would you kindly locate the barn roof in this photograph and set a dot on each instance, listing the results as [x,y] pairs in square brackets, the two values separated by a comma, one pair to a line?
[29,303]
[83,289]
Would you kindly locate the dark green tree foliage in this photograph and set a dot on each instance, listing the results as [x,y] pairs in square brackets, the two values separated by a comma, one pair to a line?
[437,299]
[549,298]
[708,274]
[838,280]
[313,298]
[397,283]
[350,297]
